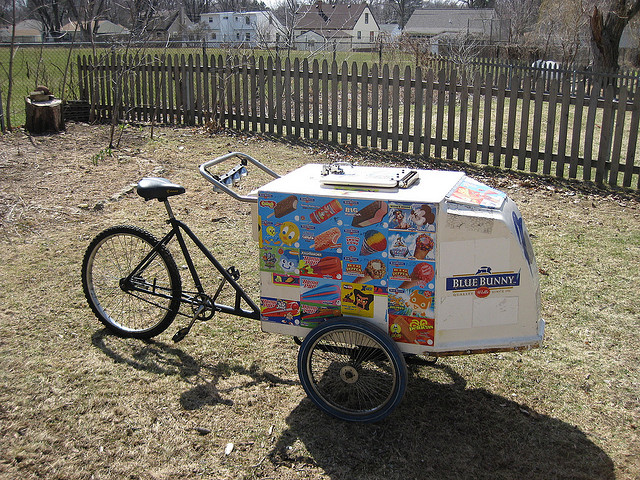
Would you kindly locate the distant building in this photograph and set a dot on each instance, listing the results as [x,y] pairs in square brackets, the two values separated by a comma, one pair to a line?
[27,31]
[431,22]
[104,30]
[342,27]
[170,26]
[390,31]
[444,27]
[253,29]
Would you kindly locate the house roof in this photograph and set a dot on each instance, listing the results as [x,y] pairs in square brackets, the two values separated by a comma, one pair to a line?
[105,27]
[25,28]
[323,16]
[435,21]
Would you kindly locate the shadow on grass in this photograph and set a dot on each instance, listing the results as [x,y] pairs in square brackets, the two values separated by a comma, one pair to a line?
[147,355]
[160,358]
[442,430]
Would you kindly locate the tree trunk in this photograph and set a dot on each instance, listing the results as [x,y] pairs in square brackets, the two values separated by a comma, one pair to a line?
[606,31]
[44,116]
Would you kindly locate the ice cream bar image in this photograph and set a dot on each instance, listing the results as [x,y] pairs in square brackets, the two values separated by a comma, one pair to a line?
[331,266]
[374,241]
[285,207]
[326,211]
[370,215]
[327,239]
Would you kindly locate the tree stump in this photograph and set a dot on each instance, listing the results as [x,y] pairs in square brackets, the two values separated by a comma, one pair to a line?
[44,116]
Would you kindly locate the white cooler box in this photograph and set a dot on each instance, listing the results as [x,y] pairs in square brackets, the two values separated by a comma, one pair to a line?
[441,262]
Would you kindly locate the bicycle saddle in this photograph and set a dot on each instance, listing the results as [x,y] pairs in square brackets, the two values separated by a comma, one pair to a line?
[160,188]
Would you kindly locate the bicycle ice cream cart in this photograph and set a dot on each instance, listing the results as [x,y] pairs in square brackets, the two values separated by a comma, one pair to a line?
[369,266]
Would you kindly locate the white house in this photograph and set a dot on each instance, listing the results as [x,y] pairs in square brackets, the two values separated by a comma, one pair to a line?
[252,29]
[340,27]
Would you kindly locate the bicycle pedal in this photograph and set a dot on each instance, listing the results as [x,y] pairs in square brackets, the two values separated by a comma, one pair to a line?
[234,272]
[180,334]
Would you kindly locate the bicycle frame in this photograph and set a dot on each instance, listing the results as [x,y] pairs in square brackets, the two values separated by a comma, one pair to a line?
[230,275]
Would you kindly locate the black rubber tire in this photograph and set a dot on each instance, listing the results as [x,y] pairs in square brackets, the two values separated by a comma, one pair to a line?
[352,370]
[110,257]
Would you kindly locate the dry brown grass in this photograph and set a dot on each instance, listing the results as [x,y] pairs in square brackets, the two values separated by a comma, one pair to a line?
[78,403]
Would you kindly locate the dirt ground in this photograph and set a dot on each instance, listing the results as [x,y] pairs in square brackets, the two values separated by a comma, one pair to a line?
[76,402]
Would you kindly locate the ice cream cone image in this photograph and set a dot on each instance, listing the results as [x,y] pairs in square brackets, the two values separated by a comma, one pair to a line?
[424,245]
[375,270]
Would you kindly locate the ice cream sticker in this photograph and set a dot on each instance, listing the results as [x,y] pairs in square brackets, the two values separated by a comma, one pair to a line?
[471,192]
[357,300]
[415,245]
[412,216]
[280,311]
[412,330]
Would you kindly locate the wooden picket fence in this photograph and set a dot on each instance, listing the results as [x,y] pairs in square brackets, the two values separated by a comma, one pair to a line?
[556,128]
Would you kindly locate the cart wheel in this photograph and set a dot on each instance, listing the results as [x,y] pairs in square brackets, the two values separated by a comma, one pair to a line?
[352,370]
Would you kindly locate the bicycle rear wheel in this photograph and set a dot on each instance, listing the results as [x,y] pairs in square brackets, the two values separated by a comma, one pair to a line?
[352,370]
[143,306]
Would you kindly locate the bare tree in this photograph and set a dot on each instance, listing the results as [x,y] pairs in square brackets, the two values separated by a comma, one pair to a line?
[285,12]
[50,13]
[607,21]
[86,13]
[11,53]
[403,9]
[521,16]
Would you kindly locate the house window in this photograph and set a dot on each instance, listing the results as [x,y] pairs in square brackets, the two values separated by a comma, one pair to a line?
[210,19]
[247,37]
[247,20]
[359,35]
[366,18]
[213,36]
[372,37]
[238,36]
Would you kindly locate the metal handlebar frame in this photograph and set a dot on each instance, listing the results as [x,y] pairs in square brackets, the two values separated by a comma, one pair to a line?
[226,188]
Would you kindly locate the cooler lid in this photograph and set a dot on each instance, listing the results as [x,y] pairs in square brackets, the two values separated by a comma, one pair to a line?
[376,183]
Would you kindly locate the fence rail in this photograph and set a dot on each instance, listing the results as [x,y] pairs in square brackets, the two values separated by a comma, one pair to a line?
[561,128]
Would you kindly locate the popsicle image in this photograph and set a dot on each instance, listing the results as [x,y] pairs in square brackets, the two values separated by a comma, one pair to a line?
[285,207]
[375,270]
[326,211]
[424,244]
[374,241]
[370,215]
[325,294]
[327,239]
[422,274]
[328,266]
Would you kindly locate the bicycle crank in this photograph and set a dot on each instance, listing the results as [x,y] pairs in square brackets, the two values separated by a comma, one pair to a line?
[202,308]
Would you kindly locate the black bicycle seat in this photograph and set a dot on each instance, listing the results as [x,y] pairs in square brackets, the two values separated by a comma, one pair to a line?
[160,188]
